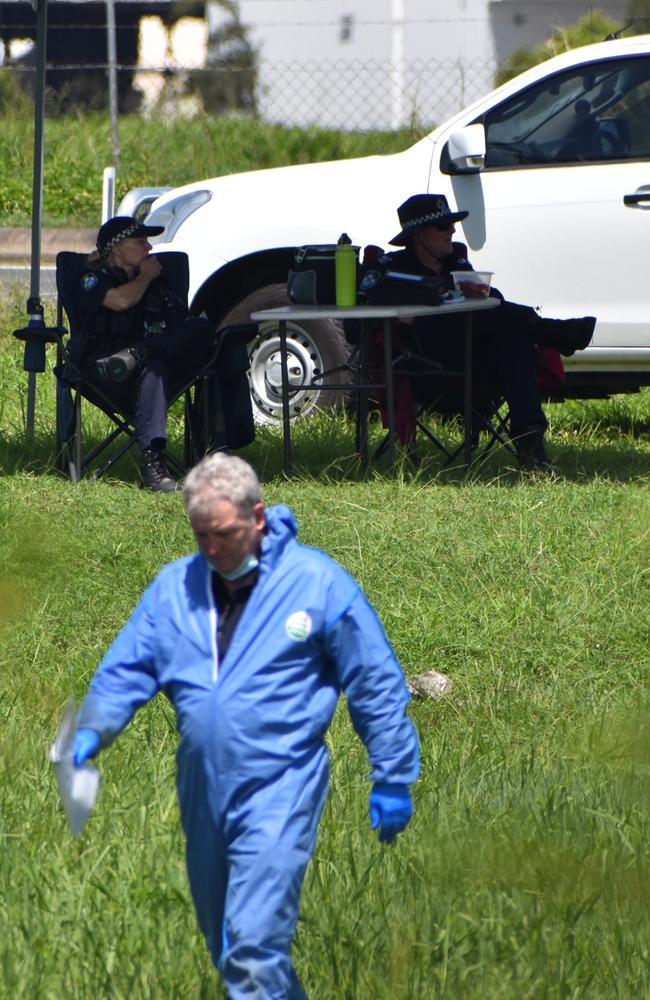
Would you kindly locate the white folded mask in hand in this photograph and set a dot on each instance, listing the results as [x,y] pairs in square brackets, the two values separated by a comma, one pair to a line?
[78,786]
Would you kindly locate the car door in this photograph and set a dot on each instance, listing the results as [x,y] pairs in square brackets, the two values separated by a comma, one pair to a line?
[561,210]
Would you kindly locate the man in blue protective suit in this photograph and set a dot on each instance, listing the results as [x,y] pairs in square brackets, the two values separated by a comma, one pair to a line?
[253,638]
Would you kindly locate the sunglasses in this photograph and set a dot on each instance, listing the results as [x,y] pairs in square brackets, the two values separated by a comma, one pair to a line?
[441,227]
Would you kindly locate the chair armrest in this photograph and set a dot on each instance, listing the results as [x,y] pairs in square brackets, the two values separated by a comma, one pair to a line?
[244,330]
[41,334]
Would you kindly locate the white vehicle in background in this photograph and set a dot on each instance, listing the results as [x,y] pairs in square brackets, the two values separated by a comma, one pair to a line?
[554,167]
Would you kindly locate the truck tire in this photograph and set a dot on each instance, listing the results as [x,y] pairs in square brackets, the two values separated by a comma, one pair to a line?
[313,346]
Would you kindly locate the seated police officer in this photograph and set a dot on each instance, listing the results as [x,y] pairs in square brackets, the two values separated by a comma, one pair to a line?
[139,342]
[504,339]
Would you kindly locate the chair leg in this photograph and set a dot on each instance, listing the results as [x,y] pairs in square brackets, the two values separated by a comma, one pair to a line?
[383,444]
[77,462]
[434,439]
[213,431]
[213,421]
[195,414]
[76,465]
[204,428]
[114,458]
[362,403]
[60,445]
[189,448]
[495,426]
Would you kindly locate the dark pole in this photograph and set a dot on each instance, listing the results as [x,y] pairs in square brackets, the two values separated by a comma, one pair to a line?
[36,335]
[39,144]
[111,47]
[34,306]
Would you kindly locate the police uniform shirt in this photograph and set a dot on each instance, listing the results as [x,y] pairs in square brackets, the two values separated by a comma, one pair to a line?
[408,262]
[98,323]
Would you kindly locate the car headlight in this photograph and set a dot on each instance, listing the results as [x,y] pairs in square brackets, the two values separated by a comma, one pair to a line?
[174,213]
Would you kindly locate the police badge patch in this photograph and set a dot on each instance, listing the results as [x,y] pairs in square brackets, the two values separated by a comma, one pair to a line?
[369,280]
[89,281]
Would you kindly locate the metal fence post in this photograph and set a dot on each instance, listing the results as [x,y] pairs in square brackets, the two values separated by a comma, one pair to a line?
[108,193]
[112,80]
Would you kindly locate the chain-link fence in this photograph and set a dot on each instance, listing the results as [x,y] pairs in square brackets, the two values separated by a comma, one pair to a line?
[352,95]
[368,95]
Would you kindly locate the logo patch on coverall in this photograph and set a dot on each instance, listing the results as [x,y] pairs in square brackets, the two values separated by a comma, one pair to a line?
[298,626]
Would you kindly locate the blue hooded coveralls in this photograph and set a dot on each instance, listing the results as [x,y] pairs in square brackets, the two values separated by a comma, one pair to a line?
[252,762]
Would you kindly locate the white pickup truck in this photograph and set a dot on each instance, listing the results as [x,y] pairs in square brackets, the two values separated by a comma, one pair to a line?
[554,168]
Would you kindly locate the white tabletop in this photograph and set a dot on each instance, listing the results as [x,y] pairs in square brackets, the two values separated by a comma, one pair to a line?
[376,312]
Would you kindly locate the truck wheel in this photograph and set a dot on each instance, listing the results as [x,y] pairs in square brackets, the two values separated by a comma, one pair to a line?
[313,346]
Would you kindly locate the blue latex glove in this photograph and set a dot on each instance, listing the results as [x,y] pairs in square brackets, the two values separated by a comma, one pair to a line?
[86,744]
[391,808]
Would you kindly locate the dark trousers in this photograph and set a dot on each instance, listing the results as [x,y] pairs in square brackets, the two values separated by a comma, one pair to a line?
[172,358]
[503,355]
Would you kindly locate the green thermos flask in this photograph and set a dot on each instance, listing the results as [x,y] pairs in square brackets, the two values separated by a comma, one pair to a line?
[345,265]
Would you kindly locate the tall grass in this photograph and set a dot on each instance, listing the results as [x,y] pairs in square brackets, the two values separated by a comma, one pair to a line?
[526,870]
[166,152]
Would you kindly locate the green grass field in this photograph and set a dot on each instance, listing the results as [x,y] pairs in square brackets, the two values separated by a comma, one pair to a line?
[526,871]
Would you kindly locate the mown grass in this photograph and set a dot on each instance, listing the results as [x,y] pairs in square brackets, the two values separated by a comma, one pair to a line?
[166,152]
[526,871]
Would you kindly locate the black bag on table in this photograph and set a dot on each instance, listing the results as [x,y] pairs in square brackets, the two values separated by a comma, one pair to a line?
[383,287]
[380,286]
[312,277]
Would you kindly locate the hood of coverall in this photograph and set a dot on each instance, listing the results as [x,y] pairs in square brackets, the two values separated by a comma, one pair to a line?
[281,529]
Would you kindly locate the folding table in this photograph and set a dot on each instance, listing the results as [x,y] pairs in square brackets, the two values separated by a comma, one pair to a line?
[386,314]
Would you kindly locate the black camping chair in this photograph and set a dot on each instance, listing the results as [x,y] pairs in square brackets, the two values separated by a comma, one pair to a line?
[364,371]
[490,411]
[203,419]
[438,391]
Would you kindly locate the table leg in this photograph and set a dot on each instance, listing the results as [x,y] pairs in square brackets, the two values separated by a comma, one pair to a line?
[362,399]
[390,389]
[286,420]
[467,386]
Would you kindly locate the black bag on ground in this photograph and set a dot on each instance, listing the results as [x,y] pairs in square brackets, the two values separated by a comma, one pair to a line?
[312,277]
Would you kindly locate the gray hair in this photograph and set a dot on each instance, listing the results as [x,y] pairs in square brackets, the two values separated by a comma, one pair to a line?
[221,477]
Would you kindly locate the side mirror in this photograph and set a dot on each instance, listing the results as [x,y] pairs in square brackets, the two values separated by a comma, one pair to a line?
[466,150]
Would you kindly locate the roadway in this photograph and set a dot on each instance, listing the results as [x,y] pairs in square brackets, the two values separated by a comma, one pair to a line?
[15,256]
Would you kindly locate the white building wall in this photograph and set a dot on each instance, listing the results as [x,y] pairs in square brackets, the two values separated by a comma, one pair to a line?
[400,51]
[517,24]
[365,64]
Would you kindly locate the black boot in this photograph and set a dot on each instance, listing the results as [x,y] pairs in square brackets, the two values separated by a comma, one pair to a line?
[155,474]
[566,335]
[529,444]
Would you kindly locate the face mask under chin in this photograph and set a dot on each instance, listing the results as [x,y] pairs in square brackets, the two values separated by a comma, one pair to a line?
[250,563]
